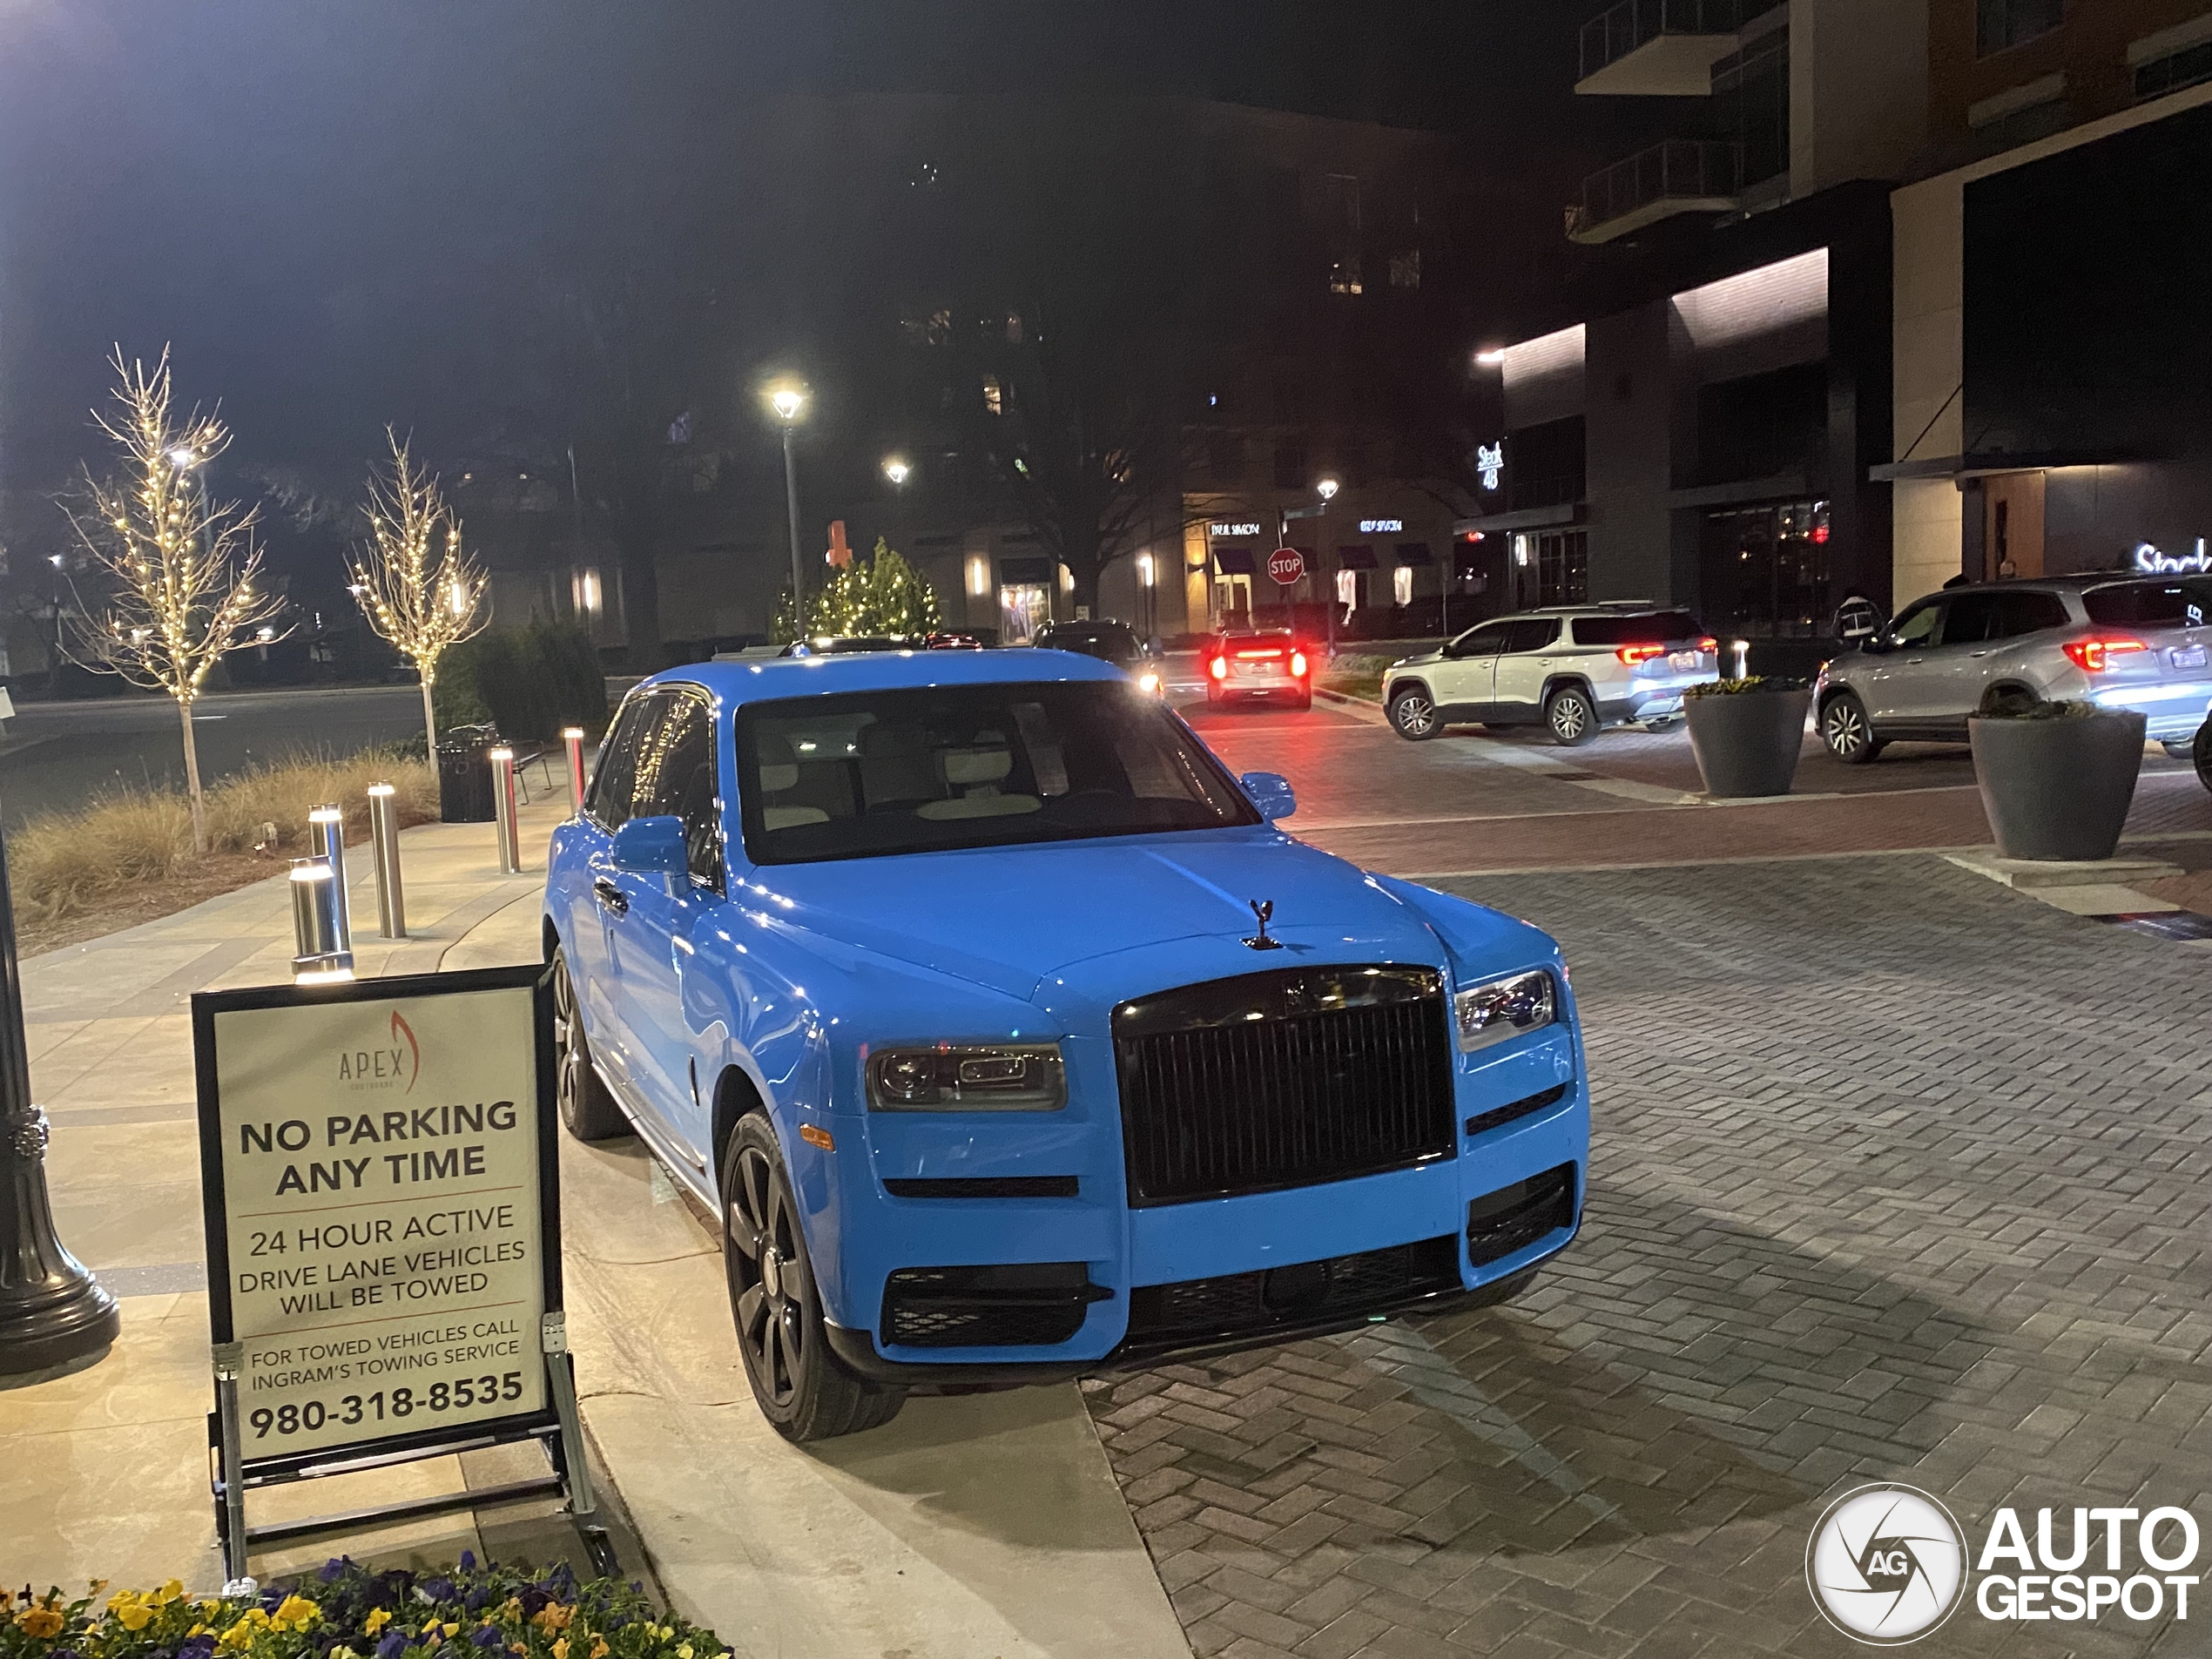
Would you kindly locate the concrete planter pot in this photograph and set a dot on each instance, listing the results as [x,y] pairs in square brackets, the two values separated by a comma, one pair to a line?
[1747,743]
[2058,789]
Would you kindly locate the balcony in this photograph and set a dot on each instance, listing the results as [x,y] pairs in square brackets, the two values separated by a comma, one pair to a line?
[1659,48]
[1681,175]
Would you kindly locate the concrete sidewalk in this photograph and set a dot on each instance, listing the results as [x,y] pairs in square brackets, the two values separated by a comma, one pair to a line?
[985,1524]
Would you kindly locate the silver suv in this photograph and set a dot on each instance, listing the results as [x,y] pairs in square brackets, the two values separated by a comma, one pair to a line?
[2124,641]
[1571,670]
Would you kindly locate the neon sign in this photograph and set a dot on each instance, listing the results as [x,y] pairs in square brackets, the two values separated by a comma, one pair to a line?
[1490,460]
[1382,526]
[1233,529]
[2151,562]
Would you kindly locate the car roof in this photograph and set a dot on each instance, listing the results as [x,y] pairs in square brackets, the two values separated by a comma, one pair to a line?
[2069,580]
[1611,608]
[1088,625]
[772,678]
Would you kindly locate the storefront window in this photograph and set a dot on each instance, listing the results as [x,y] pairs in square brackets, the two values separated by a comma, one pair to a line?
[1563,568]
[1401,586]
[1232,601]
[1348,589]
[1767,571]
[1024,607]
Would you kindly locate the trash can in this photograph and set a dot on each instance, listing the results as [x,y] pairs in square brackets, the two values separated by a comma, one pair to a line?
[464,774]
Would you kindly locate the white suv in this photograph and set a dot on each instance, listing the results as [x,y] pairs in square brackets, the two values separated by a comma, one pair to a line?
[1571,670]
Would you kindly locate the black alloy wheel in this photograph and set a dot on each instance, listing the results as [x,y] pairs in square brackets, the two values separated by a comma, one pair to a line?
[588,1111]
[797,1383]
[1846,731]
[1570,716]
[2200,754]
[1413,715]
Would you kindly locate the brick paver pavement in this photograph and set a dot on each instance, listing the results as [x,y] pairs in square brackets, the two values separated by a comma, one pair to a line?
[1898,1174]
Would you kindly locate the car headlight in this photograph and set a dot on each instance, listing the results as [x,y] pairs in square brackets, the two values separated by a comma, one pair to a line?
[1011,1077]
[1149,681]
[1500,1008]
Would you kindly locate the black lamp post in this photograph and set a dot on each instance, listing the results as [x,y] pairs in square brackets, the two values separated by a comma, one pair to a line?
[51,1310]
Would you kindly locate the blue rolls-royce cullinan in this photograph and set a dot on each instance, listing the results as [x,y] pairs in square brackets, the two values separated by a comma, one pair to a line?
[1011,1039]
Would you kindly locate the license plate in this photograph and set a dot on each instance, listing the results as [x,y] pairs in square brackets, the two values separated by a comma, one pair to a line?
[1684,660]
[1248,669]
[2187,657]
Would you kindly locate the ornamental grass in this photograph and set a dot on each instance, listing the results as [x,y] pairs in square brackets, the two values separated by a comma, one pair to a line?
[58,862]
[348,1612]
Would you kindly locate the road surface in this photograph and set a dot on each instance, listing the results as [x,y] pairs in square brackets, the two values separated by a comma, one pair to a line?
[57,756]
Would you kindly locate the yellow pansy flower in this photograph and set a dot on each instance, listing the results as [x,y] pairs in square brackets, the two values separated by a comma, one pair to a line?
[296,1613]
[684,1652]
[130,1611]
[43,1620]
[598,1648]
[377,1620]
[560,1647]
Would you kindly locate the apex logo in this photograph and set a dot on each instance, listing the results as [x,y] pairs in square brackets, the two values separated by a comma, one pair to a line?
[396,1067]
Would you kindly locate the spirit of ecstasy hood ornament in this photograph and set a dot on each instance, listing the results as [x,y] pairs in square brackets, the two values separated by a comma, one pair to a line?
[1264,909]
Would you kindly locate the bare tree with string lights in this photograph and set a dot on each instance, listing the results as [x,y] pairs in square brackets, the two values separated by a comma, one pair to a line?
[418,590]
[180,574]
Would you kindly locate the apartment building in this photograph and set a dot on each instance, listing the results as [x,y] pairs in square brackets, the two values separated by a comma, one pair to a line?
[1696,421]
[2052,369]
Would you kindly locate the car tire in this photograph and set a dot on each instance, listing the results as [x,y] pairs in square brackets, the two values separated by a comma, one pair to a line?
[1570,716]
[1302,705]
[589,1110]
[2200,753]
[1846,731]
[1414,715]
[2179,748]
[798,1384]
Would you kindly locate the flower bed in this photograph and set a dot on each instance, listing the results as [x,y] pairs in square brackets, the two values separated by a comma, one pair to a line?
[348,1612]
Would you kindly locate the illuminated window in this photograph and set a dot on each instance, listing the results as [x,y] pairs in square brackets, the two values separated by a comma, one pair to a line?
[1348,589]
[1144,569]
[1401,585]
[994,394]
[979,576]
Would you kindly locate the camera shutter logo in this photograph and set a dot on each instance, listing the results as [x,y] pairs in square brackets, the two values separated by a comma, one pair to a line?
[1886,1564]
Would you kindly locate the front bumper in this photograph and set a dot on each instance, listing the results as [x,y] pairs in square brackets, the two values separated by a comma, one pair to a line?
[1133,1261]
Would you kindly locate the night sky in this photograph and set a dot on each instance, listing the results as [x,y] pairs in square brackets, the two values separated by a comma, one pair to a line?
[329,207]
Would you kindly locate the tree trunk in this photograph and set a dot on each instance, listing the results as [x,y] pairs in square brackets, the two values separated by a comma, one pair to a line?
[192,781]
[429,714]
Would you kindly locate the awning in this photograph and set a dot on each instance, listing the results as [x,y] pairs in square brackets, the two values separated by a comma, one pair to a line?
[1528,518]
[1412,553]
[1355,558]
[1234,561]
[1983,463]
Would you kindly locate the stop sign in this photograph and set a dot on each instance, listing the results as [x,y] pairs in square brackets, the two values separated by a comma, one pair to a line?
[1286,565]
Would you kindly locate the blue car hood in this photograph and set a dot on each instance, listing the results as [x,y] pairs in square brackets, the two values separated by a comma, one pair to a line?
[1009,918]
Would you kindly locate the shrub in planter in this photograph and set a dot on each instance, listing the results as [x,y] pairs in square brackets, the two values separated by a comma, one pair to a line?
[2056,778]
[1747,733]
[348,1612]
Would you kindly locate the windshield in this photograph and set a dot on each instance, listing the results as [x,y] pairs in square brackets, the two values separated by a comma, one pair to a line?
[923,769]
[1658,628]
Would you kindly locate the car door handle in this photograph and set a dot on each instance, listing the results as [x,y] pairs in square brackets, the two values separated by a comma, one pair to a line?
[610,895]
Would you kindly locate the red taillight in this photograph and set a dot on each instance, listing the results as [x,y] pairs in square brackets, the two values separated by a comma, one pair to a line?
[1633,654]
[1709,644]
[2092,656]
[1218,668]
[1269,655]
[1297,665]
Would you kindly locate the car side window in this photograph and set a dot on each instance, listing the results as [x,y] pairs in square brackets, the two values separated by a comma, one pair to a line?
[1968,618]
[1917,626]
[1479,642]
[683,784]
[611,800]
[1531,633]
[2027,613]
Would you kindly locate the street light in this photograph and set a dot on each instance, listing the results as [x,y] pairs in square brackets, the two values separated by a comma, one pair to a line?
[896,470]
[788,400]
[1327,487]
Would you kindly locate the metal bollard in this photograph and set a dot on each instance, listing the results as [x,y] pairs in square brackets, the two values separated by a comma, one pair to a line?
[1743,650]
[502,808]
[384,842]
[573,735]
[326,841]
[318,958]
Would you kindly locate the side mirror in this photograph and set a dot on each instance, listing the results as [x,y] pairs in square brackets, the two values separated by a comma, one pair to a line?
[652,847]
[1271,792]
